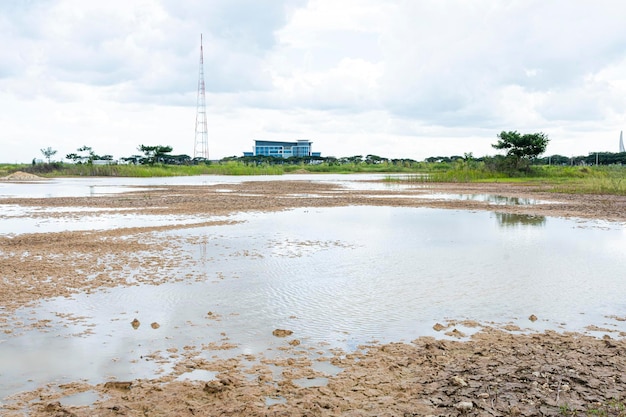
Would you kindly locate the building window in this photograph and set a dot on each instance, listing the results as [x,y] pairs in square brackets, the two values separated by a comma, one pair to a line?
[300,148]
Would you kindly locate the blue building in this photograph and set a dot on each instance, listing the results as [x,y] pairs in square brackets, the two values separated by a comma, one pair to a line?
[300,148]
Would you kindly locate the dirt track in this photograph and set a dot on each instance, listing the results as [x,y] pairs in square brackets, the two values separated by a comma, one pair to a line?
[495,373]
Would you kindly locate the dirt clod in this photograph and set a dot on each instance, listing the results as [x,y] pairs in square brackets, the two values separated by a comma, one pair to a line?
[282,333]
[121,385]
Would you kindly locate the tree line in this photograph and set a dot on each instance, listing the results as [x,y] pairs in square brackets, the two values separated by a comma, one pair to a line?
[521,152]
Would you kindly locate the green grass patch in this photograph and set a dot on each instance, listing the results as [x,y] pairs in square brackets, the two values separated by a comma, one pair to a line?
[591,180]
[559,179]
[158,170]
[6,169]
[609,408]
[609,179]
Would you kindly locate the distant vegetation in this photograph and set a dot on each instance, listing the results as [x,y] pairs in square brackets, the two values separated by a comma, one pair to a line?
[608,179]
[595,173]
[600,179]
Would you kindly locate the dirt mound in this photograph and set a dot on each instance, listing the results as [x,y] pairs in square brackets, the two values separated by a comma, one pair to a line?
[22,176]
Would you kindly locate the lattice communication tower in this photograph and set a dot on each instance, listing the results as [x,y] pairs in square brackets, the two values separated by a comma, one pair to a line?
[201,144]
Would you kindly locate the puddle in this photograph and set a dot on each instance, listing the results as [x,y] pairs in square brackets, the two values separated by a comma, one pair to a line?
[492,199]
[326,367]
[16,220]
[94,186]
[269,401]
[512,219]
[311,382]
[197,375]
[15,210]
[80,399]
[62,222]
[338,278]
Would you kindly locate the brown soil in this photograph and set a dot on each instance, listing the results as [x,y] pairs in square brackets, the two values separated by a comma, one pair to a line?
[496,372]
[22,176]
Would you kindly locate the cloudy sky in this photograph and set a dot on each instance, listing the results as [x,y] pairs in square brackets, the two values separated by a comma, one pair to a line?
[394,78]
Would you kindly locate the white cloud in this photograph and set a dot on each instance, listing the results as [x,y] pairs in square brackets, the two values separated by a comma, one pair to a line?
[351,85]
[398,78]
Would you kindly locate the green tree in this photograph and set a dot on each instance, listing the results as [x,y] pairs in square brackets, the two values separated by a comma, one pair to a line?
[521,149]
[356,159]
[375,159]
[48,153]
[154,154]
[85,155]
[468,161]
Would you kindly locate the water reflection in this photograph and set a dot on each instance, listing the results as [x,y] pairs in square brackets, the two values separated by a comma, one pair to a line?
[511,201]
[492,199]
[513,219]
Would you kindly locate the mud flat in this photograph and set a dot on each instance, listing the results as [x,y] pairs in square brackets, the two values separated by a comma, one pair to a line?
[499,370]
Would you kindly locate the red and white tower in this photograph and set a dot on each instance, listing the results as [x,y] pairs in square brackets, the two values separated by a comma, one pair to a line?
[201,144]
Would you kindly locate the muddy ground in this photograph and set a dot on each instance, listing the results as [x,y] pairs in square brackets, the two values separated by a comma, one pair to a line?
[498,371]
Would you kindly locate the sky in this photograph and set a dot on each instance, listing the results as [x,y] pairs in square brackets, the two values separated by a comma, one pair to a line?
[392,78]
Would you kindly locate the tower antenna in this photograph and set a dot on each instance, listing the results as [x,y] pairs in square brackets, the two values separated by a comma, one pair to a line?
[201,144]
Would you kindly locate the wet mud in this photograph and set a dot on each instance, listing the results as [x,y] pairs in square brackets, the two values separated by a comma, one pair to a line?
[497,371]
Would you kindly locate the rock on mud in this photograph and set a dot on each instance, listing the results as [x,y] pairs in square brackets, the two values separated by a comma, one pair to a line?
[438,327]
[122,385]
[464,406]
[458,381]
[282,333]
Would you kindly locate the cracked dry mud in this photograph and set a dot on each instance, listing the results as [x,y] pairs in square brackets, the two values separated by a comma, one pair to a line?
[498,371]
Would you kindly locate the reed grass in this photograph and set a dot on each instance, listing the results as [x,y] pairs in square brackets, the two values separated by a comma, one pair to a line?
[89,170]
[6,169]
[600,180]
[560,179]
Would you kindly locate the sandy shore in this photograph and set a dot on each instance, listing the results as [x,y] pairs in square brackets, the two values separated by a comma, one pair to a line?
[497,372]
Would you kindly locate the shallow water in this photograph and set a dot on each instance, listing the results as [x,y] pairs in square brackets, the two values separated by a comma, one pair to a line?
[334,276]
[16,220]
[80,399]
[95,186]
[492,199]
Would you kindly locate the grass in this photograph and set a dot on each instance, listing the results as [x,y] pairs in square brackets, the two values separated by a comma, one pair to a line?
[612,408]
[219,168]
[607,180]
[86,170]
[559,179]
[6,169]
